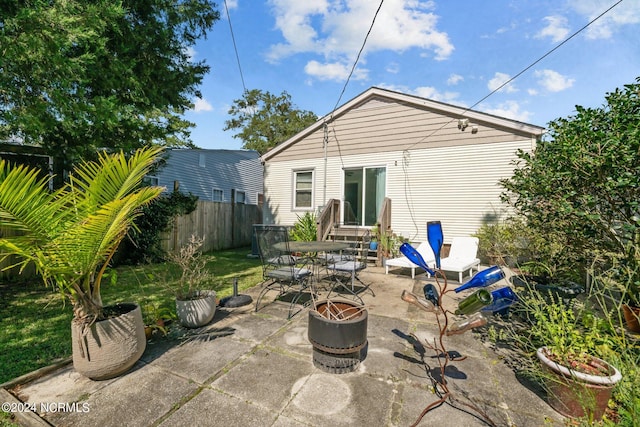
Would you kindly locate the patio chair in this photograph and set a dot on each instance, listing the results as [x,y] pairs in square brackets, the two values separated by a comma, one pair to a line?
[280,270]
[340,233]
[462,256]
[423,249]
[343,268]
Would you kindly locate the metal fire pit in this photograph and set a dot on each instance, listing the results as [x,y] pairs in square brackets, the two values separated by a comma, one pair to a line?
[338,334]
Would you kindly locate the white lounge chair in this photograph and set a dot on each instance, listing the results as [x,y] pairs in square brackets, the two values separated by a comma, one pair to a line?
[423,249]
[462,256]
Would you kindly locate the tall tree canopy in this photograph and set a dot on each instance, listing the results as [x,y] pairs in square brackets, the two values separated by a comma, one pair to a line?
[77,76]
[266,120]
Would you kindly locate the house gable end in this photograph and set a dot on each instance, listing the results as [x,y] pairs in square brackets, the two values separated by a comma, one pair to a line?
[378,120]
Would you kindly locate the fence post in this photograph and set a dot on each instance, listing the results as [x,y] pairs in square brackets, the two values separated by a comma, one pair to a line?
[176,187]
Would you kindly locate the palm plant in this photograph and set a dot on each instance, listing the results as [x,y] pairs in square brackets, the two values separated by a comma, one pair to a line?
[71,234]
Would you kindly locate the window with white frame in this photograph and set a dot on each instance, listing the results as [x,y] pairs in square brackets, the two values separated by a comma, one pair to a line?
[241,197]
[217,195]
[303,191]
[150,180]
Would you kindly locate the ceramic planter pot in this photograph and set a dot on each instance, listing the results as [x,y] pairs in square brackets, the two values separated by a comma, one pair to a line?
[110,347]
[197,312]
[631,317]
[576,394]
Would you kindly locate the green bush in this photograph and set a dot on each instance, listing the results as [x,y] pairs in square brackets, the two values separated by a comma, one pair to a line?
[305,229]
[143,246]
[591,324]
[581,188]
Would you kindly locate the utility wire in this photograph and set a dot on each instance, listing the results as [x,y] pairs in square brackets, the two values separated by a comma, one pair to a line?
[521,72]
[408,196]
[357,59]
[545,55]
[235,48]
[344,88]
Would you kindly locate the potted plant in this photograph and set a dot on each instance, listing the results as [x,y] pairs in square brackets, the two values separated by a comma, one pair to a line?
[156,319]
[70,236]
[390,245]
[373,243]
[195,305]
[578,384]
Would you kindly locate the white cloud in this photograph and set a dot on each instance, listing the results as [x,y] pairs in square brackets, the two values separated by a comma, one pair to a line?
[427,92]
[454,79]
[435,95]
[557,28]
[334,71]
[293,19]
[553,81]
[625,13]
[227,4]
[190,52]
[507,109]
[201,105]
[336,30]
[393,68]
[498,80]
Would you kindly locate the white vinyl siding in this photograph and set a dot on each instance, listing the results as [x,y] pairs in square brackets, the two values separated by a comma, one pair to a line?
[434,170]
[456,185]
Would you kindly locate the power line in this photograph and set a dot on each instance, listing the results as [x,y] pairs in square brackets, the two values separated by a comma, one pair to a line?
[406,151]
[357,59]
[235,48]
[521,72]
[545,55]
[344,88]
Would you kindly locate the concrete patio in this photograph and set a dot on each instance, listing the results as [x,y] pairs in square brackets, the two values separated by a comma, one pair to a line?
[256,369]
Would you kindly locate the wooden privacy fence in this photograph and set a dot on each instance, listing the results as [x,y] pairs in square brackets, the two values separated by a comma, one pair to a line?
[223,226]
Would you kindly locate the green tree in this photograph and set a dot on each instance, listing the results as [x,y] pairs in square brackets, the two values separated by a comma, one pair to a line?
[78,76]
[266,120]
[582,186]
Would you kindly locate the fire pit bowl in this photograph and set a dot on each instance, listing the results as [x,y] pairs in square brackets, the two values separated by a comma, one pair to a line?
[338,334]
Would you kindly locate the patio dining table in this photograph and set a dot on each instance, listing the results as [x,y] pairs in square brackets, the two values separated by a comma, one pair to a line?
[312,247]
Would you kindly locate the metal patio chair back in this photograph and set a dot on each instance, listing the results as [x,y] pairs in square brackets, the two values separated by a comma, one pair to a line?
[280,270]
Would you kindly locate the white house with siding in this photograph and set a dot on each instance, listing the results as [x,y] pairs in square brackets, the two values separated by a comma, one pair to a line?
[213,175]
[435,161]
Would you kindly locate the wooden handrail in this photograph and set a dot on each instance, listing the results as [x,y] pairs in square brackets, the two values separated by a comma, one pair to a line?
[329,216]
[384,223]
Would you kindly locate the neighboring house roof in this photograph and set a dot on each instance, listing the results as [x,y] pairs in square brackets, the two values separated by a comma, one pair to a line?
[199,171]
[452,111]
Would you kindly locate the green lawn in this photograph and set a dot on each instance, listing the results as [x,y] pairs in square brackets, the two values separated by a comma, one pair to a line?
[34,320]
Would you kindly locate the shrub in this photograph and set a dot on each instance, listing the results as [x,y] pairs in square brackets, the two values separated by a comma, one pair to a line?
[305,229]
[143,245]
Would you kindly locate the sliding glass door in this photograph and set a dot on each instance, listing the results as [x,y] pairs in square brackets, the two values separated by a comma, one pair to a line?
[364,191]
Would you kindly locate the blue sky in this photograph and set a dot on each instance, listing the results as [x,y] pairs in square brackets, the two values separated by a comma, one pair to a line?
[456,52]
